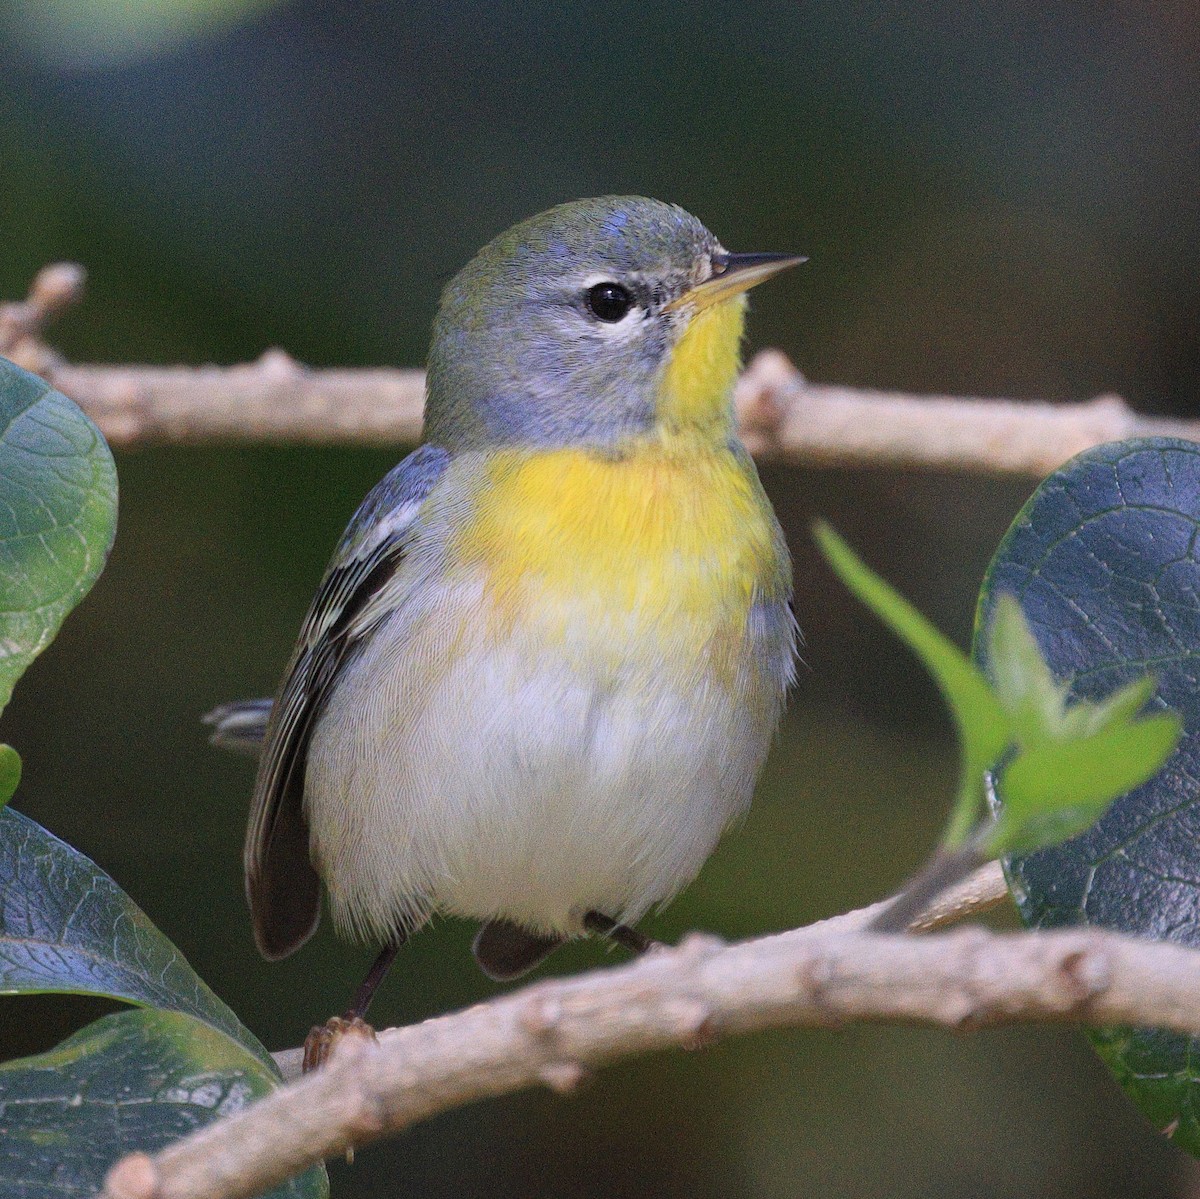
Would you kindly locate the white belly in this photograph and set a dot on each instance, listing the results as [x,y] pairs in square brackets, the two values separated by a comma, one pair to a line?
[508,780]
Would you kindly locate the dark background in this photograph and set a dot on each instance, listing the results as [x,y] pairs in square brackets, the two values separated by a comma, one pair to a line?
[996,199]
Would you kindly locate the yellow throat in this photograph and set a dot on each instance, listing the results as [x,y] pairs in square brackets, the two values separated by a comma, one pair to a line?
[700,375]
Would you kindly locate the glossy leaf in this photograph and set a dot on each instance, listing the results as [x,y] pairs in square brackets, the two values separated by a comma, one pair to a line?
[137,1080]
[1105,562]
[58,515]
[66,927]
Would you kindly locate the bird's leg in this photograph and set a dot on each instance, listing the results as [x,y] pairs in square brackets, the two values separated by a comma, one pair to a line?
[620,934]
[370,984]
[320,1040]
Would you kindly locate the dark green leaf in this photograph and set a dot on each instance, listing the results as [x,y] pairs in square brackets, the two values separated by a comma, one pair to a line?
[983,727]
[10,773]
[1104,562]
[58,514]
[65,926]
[136,1080]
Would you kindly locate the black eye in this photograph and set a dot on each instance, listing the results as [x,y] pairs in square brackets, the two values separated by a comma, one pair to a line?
[609,301]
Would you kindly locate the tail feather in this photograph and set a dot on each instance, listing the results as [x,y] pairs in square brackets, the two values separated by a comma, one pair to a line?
[240,726]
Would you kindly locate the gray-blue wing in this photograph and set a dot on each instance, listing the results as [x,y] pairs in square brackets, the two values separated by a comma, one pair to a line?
[282,886]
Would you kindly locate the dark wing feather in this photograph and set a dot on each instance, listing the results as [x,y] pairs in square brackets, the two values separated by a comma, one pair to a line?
[282,886]
[240,726]
[506,951]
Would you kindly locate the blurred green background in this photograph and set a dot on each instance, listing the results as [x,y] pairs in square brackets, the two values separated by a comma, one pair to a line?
[996,199]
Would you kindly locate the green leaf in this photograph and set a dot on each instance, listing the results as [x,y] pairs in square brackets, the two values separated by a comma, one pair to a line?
[66,927]
[1024,685]
[1075,758]
[133,1081]
[110,34]
[10,773]
[1035,701]
[1084,717]
[58,515]
[983,727]
[1059,789]
[1105,562]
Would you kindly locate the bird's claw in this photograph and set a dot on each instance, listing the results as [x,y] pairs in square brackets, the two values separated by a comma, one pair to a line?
[319,1043]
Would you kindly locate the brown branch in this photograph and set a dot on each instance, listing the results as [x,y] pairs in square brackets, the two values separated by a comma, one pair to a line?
[273,400]
[944,870]
[554,1033]
[783,416]
[53,289]
[977,893]
[137,1176]
[980,892]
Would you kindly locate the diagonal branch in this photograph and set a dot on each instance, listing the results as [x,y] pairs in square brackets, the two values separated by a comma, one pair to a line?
[783,416]
[554,1033]
[982,891]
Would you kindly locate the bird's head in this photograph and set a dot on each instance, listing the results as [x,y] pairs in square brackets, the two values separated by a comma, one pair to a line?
[592,323]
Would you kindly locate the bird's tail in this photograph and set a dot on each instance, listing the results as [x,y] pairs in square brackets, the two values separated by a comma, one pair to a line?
[240,726]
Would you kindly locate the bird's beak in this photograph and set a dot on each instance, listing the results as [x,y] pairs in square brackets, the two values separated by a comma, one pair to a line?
[731,275]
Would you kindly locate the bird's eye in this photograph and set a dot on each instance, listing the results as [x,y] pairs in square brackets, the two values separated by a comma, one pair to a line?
[609,301]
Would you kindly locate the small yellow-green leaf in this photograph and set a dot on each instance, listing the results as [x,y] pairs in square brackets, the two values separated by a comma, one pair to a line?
[983,727]
[1036,702]
[1024,685]
[10,773]
[1087,716]
[1058,789]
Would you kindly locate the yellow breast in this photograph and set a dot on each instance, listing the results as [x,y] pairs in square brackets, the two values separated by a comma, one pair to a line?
[673,537]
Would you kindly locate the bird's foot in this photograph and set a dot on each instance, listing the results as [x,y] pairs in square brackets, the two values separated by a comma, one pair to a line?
[620,934]
[319,1043]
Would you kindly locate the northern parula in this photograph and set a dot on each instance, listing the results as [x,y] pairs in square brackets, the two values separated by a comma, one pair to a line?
[542,671]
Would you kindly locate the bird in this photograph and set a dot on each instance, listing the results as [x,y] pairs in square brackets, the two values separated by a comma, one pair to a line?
[542,671]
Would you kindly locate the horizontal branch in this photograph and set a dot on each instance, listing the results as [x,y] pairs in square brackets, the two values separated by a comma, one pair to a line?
[554,1033]
[273,400]
[783,416]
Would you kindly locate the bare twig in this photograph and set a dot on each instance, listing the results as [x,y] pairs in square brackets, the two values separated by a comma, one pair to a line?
[54,288]
[786,417]
[554,1033]
[783,416]
[138,1174]
[946,869]
[977,893]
